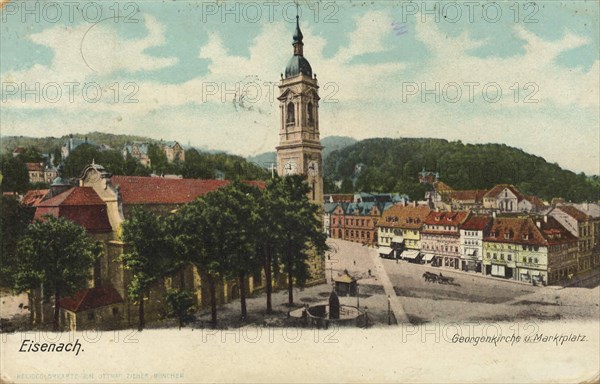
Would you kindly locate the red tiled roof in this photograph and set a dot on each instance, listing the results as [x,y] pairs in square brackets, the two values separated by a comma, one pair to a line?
[574,213]
[342,198]
[442,187]
[472,194]
[34,167]
[476,223]
[401,216]
[82,205]
[75,196]
[34,197]
[500,187]
[158,190]
[519,227]
[536,201]
[19,150]
[446,218]
[91,298]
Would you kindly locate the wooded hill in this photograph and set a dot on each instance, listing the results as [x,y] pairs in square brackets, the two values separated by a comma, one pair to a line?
[393,165]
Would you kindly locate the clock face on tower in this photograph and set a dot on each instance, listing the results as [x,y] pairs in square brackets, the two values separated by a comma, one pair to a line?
[313,168]
[290,168]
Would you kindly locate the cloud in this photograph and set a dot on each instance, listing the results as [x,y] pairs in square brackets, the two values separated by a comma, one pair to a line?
[369,95]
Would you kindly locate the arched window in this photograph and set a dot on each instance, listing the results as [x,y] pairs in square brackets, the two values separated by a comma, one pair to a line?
[309,112]
[290,114]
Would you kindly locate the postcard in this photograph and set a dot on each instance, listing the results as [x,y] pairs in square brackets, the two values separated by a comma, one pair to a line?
[308,191]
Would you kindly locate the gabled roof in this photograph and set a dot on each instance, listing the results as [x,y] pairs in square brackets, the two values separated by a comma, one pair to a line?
[476,223]
[34,167]
[329,207]
[401,216]
[442,187]
[76,196]
[34,197]
[19,150]
[467,195]
[91,298]
[591,209]
[500,187]
[81,205]
[525,230]
[535,201]
[158,190]
[574,213]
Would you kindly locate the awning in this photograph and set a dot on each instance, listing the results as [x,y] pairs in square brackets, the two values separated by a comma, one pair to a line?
[385,250]
[397,239]
[412,254]
[471,252]
[428,256]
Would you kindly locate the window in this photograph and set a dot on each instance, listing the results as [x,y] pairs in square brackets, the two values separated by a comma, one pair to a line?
[536,260]
[309,110]
[290,114]
[91,316]
[502,256]
[115,311]
[509,257]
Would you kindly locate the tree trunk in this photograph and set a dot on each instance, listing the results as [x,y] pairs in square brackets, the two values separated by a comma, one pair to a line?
[213,301]
[142,320]
[181,279]
[242,282]
[56,310]
[269,281]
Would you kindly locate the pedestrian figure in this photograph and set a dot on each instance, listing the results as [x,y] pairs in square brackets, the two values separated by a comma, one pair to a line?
[369,272]
[354,262]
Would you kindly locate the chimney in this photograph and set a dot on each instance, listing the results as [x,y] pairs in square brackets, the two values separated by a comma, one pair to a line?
[538,223]
[546,219]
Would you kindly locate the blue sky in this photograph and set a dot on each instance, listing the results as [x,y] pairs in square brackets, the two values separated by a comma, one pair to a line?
[175,73]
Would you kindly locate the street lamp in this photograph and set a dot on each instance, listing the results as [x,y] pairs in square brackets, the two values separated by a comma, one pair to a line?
[389,311]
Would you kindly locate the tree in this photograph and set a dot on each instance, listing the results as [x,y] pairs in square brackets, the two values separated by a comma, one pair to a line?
[300,228]
[181,306]
[58,254]
[150,247]
[199,243]
[239,232]
[269,237]
[15,177]
[14,219]
[158,158]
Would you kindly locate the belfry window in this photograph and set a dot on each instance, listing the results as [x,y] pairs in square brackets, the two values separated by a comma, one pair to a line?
[309,111]
[290,114]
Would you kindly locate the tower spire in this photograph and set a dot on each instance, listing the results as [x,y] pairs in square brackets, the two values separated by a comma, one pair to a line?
[297,38]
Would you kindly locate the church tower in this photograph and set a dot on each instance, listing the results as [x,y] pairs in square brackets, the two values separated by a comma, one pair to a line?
[299,150]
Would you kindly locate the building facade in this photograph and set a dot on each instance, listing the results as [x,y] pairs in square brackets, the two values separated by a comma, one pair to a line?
[440,238]
[471,242]
[400,229]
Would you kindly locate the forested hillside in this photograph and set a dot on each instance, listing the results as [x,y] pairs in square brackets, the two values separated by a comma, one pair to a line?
[392,165]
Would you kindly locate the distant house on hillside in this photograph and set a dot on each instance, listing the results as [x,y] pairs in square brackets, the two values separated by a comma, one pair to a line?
[173,150]
[36,172]
[18,151]
[138,151]
[71,144]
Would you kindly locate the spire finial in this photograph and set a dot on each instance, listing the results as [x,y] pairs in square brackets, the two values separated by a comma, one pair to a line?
[297,38]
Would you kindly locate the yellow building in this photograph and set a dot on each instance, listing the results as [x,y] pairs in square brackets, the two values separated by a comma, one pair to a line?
[400,227]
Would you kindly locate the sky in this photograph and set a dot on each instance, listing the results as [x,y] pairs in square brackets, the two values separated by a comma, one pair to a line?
[206,73]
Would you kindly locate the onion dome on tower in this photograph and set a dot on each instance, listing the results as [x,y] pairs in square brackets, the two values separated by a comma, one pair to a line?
[298,64]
